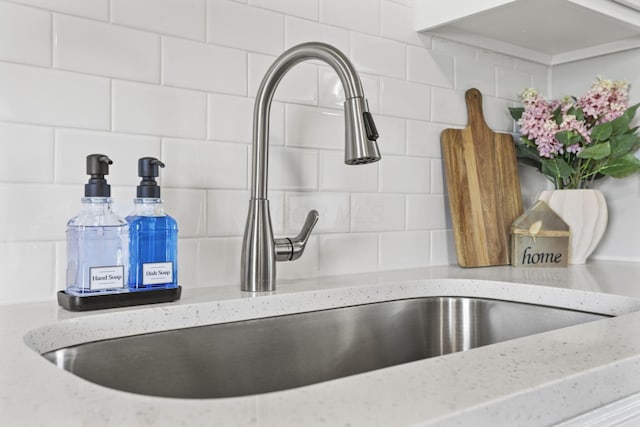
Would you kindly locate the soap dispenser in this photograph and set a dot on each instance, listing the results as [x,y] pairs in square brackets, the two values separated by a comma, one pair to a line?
[153,234]
[97,238]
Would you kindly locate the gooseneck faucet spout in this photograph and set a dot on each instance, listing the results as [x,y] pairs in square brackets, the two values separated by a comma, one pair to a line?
[260,250]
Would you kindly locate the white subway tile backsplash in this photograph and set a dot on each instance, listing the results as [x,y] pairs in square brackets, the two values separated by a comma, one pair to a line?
[73,146]
[511,83]
[307,9]
[378,55]
[426,212]
[429,67]
[227,212]
[244,27]
[423,138]
[392,135]
[540,75]
[334,210]
[28,271]
[222,265]
[188,261]
[183,18]
[495,58]
[204,164]
[474,74]
[25,35]
[356,15]
[405,175]
[449,107]
[348,253]
[42,96]
[155,110]
[27,153]
[293,169]
[195,65]
[225,165]
[187,207]
[496,113]
[405,99]
[298,31]
[443,250]
[398,22]
[335,175]
[437,177]
[95,9]
[314,128]
[332,93]
[22,207]
[404,249]
[448,47]
[229,118]
[299,85]
[99,48]
[377,212]
[188,168]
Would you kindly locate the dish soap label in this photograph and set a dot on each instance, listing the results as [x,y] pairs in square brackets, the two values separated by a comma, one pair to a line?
[157,273]
[106,277]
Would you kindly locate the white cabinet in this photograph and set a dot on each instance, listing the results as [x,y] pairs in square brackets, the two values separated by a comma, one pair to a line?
[545,31]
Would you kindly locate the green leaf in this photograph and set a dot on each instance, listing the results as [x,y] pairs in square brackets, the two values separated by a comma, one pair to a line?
[624,144]
[557,168]
[557,115]
[621,124]
[568,137]
[622,167]
[601,132]
[516,112]
[529,156]
[596,152]
[577,112]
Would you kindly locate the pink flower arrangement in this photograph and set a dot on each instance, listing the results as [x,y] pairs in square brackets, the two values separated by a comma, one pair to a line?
[576,140]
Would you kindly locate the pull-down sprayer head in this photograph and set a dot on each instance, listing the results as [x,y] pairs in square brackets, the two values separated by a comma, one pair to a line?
[360,133]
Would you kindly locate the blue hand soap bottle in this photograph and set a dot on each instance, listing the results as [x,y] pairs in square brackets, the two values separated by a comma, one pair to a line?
[97,239]
[153,242]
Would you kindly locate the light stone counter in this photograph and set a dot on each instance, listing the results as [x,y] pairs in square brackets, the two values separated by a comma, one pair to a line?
[536,380]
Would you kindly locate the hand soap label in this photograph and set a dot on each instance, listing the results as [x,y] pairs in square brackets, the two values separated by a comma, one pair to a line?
[157,273]
[106,277]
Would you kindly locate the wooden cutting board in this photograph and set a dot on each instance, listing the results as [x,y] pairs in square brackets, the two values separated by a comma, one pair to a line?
[484,188]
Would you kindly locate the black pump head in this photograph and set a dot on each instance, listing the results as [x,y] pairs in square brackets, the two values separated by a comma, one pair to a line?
[148,170]
[97,168]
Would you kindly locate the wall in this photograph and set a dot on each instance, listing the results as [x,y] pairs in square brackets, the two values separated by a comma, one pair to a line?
[175,79]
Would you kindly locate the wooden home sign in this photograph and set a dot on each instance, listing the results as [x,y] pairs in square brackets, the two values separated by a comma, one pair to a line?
[539,238]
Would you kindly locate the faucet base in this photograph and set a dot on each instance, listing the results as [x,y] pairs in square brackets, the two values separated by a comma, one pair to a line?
[258,250]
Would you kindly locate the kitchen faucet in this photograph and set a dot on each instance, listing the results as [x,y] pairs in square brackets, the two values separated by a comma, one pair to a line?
[260,250]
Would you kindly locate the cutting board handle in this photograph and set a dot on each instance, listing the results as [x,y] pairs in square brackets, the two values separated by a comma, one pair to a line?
[473,97]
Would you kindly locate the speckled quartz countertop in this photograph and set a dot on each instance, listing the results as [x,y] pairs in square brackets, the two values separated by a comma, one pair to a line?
[536,380]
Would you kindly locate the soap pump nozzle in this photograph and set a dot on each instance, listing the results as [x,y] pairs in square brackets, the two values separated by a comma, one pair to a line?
[148,170]
[97,168]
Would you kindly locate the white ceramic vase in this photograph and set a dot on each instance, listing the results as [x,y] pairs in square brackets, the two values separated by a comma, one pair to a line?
[585,211]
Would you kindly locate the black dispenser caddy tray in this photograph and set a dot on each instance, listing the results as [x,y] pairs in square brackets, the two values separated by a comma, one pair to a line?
[125,299]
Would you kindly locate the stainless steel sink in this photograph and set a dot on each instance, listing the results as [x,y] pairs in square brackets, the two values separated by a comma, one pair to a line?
[278,353]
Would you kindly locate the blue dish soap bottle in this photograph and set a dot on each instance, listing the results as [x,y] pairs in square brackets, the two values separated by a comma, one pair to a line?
[97,239]
[153,235]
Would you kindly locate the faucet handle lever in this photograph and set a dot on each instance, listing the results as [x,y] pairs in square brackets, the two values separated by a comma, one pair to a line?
[290,249]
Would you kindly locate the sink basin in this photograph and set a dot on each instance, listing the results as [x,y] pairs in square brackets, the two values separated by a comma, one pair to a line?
[278,353]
